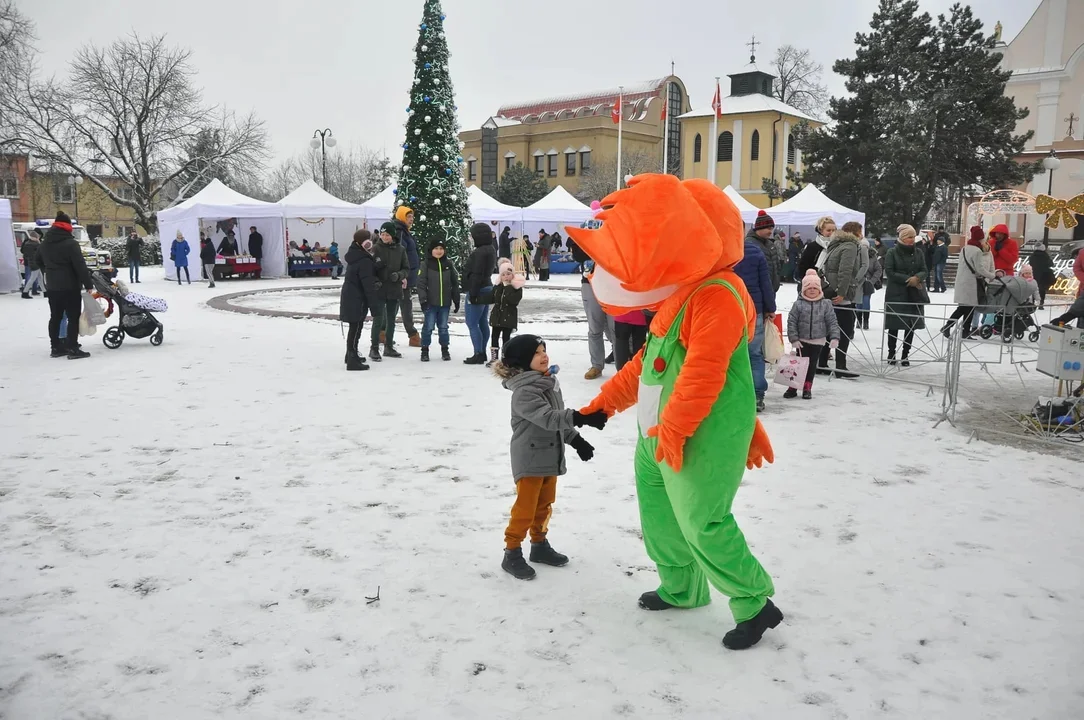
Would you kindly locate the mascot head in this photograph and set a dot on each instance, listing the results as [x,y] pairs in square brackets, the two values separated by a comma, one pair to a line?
[658,235]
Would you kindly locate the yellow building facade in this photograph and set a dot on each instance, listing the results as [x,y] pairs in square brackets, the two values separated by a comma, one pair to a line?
[562,137]
[755,139]
[85,202]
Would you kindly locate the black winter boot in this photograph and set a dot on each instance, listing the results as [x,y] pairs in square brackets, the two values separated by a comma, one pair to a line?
[516,566]
[748,633]
[652,601]
[77,354]
[790,393]
[391,352]
[354,363]
[58,353]
[444,354]
[425,354]
[26,296]
[475,359]
[374,353]
[543,553]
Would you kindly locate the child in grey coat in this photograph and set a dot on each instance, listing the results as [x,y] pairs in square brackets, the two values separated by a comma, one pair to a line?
[541,427]
[810,324]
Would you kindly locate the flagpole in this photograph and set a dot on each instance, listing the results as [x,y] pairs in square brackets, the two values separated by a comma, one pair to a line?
[713,148]
[620,122]
[665,129]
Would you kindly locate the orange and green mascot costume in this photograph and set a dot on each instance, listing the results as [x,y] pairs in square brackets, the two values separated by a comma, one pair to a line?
[671,246]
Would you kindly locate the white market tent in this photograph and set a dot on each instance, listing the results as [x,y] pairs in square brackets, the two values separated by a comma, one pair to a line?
[9,261]
[378,209]
[748,210]
[485,208]
[316,215]
[555,212]
[809,205]
[206,209]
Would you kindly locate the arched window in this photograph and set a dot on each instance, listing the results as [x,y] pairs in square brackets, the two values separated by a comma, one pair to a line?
[754,146]
[726,147]
[697,142]
[792,151]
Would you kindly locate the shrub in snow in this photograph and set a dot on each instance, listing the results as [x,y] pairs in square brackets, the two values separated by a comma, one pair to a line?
[149,254]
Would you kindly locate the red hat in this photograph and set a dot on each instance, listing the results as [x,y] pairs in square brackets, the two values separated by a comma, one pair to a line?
[764,220]
[1003,229]
[976,233]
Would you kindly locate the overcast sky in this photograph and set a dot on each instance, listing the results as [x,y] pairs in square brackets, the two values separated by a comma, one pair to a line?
[347,64]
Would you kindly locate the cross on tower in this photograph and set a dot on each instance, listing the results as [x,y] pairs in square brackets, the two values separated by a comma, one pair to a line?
[1071,120]
[753,50]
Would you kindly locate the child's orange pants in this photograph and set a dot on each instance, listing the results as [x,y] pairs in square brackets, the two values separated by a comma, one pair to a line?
[531,511]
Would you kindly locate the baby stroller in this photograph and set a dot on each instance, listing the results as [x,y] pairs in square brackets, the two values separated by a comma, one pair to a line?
[134,321]
[1009,298]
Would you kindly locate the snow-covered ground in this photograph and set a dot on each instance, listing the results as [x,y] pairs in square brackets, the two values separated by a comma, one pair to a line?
[193,530]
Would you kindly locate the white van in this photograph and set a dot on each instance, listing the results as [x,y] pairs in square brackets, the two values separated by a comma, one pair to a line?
[99,260]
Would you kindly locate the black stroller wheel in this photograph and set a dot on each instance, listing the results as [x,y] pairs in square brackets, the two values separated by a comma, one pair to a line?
[113,338]
[1020,334]
[157,338]
[1034,336]
[986,331]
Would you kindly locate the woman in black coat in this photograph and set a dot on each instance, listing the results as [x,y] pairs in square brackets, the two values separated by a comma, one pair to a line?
[359,293]
[1043,265]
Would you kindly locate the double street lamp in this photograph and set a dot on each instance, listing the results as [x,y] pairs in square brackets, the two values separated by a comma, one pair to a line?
[1051,163]
[75,181]
[322,139]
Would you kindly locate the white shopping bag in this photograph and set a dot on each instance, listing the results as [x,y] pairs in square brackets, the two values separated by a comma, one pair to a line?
[791,370]
[93,311]
[773,343]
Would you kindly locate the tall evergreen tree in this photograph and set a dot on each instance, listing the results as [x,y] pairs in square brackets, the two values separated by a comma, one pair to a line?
[926,111]
[431,182]
[521,186]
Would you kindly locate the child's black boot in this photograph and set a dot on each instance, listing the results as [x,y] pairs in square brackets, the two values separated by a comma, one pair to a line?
[516,566]
[545,554]
[425,354]
[748,633]
[444,354]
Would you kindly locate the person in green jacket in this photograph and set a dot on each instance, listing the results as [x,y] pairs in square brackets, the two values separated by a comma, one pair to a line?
[393,278]
[905,275]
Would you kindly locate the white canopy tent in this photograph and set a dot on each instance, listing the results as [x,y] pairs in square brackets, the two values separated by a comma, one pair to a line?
[485,208]
[378,209]
[554,212]
[9,261]
[316,215]
[207,209]
[809,205]
[748,210]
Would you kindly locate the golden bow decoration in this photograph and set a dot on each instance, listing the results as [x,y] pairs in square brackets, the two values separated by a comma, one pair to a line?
[1059,212]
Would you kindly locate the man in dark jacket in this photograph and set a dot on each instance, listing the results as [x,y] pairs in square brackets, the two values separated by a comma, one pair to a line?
[753,270]
[360,293]
[477,276]
[133,246]
[1041,264]
[761,235]
[940,259]
[404,221]
[66,274]
[504,246]
[207,259]
[30,263]
[255,245]
[393,275]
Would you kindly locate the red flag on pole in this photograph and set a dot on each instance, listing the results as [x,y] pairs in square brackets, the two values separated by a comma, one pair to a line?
[717,102]
[615,113]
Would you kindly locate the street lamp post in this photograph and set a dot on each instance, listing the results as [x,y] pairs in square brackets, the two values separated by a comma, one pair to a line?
[1051,163]
[325,141]
[75,181]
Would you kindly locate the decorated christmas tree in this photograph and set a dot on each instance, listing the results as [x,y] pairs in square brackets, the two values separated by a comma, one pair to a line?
[431,182]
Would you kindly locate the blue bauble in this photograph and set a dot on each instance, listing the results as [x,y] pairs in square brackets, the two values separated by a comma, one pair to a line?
[395,191]
[427,98]
[443,16]
[428,66]
[406,146]
[408,109]
[460,158]
[412,198]
[448,171]
[424,26]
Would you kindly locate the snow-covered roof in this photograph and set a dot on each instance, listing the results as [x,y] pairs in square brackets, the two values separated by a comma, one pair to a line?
[218,201]
[554,105]
[747,104]
[499,122]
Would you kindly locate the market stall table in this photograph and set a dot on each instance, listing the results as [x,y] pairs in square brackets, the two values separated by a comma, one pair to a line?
[240,266]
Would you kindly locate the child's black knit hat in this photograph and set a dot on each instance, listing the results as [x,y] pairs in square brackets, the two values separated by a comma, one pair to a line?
[519,351]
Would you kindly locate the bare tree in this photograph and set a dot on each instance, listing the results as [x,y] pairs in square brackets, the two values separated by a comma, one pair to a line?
[798,81]
[133,107]
[601,179]
[16,59]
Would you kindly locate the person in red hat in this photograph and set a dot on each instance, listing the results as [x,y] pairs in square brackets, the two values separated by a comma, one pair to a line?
[1006,251]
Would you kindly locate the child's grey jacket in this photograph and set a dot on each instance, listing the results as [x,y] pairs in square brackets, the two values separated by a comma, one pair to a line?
[812,321]
[541,426]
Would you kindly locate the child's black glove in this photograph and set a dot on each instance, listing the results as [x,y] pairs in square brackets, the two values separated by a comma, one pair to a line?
[596,419]
[584,449]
